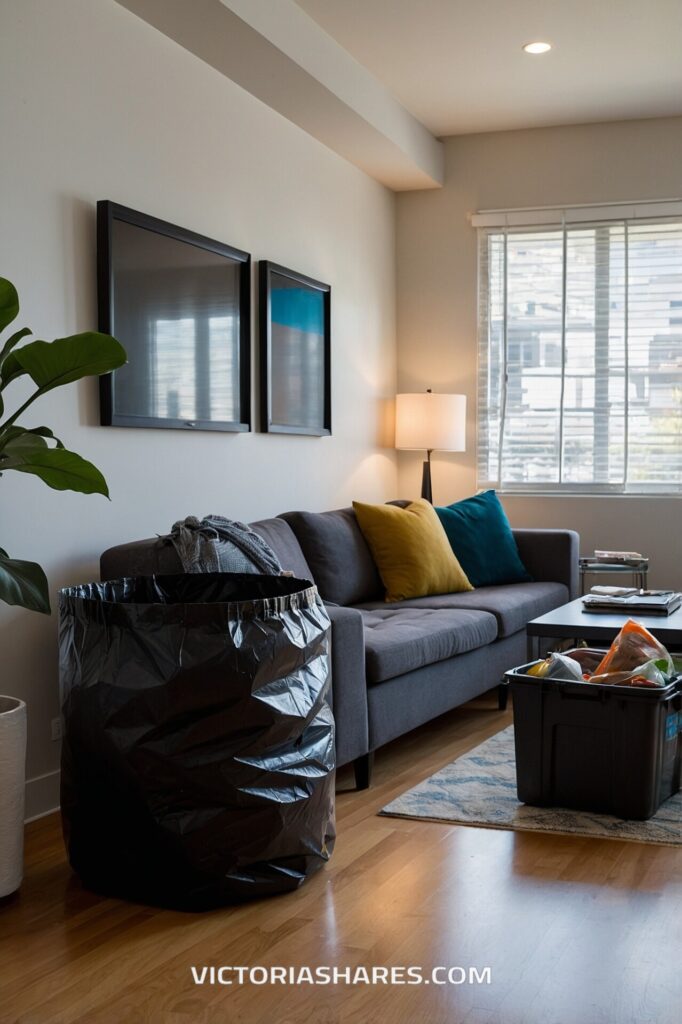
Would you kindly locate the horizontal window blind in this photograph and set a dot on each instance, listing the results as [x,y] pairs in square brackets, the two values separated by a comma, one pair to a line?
[580,357]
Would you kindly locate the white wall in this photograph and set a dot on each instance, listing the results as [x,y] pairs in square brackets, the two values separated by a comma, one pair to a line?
[97,105]
[436,268]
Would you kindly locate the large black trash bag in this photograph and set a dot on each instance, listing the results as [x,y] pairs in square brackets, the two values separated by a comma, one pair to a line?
[198,753]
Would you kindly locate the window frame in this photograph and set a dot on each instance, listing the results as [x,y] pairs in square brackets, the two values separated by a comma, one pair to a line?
[511,222]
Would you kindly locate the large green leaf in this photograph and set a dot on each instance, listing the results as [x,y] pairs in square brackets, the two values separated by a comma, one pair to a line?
[11,368]
[13,341]
[19,440]
[43,432]
[50,364]
[14,433]
[9,303]
[57,467]
[23,583]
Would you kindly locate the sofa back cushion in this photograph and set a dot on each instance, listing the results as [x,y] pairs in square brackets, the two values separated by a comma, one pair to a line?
[337,553]
[283,542]
[140,558]
[157,554]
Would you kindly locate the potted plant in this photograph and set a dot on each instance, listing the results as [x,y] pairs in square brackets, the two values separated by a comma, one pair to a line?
[38,451]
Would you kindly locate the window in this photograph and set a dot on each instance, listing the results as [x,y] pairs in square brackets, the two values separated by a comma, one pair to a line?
[580,357]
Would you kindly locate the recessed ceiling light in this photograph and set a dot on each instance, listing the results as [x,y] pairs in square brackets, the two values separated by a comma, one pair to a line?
[537,47]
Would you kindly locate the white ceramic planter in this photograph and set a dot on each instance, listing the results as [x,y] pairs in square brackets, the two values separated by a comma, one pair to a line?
[12,788]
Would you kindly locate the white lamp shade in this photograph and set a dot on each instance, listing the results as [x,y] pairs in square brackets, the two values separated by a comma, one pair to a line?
[428,421]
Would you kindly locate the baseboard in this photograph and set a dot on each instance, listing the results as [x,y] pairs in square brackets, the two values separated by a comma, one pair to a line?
[42,796]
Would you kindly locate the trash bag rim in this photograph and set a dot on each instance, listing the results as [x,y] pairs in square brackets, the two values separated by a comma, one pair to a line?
[306,595]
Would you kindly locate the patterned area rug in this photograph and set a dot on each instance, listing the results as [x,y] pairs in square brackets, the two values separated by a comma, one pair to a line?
[480,789]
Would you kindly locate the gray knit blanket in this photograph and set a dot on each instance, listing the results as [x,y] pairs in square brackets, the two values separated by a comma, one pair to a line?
[216,544]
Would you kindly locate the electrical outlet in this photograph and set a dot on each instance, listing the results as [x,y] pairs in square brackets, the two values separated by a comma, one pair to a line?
[56,729]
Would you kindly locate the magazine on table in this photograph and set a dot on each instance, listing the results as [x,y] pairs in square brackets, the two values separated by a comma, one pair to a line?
[650,602]
[617,558]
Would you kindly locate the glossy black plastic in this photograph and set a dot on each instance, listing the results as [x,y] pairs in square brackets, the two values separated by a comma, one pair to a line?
[198,753]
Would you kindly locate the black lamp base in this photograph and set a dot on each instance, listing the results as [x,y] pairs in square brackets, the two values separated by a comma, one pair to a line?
[426,481]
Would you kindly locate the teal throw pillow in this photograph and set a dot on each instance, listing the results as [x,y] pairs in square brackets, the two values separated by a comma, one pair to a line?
[482,540]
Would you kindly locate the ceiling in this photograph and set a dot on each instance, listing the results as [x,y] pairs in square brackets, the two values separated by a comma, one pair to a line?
[458,66]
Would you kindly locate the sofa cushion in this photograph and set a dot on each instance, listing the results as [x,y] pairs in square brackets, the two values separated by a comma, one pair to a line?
[400,639]
[512,606]
[482,540]
[411,550]
[282,540]
[337,553]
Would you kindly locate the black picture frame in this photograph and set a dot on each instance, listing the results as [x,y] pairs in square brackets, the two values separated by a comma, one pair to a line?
[313,416]
[108,213]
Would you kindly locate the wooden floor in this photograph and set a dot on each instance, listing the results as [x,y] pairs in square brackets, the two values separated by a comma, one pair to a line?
[575,930]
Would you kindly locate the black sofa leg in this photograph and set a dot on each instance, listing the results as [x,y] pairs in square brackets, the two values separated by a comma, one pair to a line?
[502,695]
[362,766]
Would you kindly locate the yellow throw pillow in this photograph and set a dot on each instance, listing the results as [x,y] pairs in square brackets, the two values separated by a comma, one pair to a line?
[411,550]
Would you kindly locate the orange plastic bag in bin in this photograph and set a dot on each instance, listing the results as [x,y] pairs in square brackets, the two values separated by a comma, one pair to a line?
[632,648]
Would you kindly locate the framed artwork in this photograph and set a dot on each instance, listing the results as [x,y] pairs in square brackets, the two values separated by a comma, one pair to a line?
[295,352]
[180,305]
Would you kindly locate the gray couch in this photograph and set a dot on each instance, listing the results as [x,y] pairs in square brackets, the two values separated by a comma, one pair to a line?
[396,666]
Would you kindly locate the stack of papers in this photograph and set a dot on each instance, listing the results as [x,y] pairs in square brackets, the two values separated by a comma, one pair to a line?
[619,558]
[648,602]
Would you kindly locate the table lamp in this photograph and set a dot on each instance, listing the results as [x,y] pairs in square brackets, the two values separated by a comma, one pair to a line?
[431,422]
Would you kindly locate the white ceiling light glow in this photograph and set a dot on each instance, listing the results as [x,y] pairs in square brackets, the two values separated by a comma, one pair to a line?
[537,47]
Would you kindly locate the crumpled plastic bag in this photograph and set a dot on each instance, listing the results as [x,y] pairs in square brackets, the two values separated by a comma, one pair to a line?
[557,666]
[588,658]
[648,674]
[633,648]
[635,658]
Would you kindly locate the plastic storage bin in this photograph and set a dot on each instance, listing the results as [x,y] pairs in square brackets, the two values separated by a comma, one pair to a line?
[198,754]
[595,747]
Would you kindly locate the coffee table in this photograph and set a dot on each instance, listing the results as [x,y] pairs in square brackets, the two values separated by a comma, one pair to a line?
[570,621]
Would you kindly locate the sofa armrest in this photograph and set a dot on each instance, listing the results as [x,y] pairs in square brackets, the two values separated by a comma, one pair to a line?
[349,687]
[551,555]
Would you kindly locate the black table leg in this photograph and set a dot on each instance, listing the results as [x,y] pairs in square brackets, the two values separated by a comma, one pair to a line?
[532,645]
